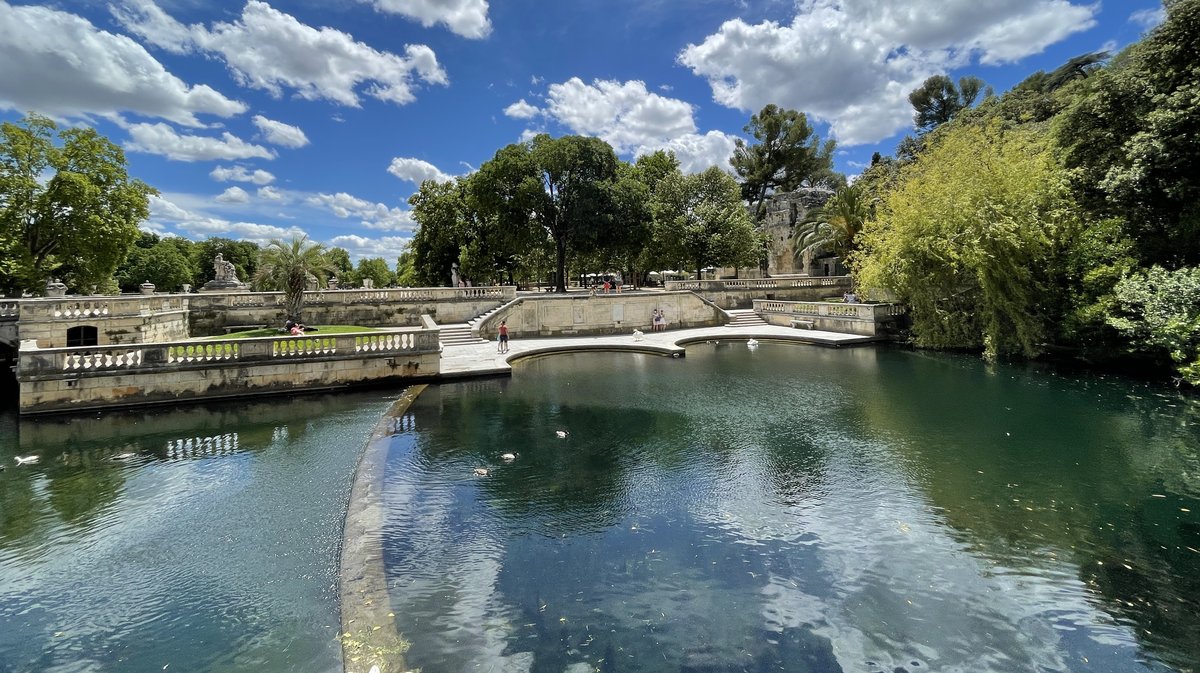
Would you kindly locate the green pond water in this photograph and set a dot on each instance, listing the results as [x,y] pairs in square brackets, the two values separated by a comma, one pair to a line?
[796,509]
[788,508]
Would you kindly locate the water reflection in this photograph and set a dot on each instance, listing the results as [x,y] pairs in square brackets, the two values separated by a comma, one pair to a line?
[796,509]
[200,538]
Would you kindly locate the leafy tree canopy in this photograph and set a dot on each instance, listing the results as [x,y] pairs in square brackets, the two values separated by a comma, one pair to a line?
[700,222]
[287,266]
[788,154]
[938,100]
[77,225]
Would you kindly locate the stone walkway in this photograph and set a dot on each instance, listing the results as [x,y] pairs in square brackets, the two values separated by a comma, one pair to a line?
[482,359]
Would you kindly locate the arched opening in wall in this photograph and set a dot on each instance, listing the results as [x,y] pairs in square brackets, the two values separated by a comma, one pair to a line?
[83,335]
[8,376]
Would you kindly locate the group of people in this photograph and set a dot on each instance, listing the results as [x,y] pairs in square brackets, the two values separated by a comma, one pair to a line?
[658,320]
[293,328]
[849,297]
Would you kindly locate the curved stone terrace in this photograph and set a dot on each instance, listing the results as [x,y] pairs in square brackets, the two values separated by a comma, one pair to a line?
[482,359]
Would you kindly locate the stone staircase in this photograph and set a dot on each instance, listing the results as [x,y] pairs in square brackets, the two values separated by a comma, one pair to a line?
[462,334]
[458,335]
[745,318]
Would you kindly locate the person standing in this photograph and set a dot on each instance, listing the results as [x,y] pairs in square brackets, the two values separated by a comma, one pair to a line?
[502,347]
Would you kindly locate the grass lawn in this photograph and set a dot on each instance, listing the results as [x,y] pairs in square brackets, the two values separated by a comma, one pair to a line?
[313,330]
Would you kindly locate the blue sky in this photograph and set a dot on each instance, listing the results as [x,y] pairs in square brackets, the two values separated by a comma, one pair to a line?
[272,118]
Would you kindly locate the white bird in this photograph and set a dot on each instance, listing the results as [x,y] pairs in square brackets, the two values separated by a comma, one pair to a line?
[124,456]
[481,472]
[753,343]
[508,457]
[562,434]
[638,334]
[26,460]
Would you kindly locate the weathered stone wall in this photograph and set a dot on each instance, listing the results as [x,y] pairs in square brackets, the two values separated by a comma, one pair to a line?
[71,379]
[118,320]
[876,320]
[601,314]
[782,213]
[741,293]
[211,314]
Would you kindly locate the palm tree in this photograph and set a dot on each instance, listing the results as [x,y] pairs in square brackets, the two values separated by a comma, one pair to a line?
[287,267]
[834,225]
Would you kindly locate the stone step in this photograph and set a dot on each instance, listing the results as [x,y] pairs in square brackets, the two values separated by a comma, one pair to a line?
[458,335]
[745,318]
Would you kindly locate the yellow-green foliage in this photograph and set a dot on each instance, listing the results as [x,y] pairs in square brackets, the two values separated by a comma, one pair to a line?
[963,236]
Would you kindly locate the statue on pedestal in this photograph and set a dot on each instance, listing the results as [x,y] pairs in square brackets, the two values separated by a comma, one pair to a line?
[224,277]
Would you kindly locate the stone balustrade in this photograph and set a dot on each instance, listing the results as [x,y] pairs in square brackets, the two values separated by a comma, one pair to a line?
[9,310]
[94,377]
[220,352]
[360,296]
[865,319]
[91,308]
[756,283]
[731,293]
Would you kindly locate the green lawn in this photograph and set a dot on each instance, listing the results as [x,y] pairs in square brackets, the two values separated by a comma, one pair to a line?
[313,330]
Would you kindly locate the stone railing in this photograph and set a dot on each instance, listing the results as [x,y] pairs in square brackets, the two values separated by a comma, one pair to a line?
[222,352]
[372,296]
[93,308]
[756,283]
[875,320]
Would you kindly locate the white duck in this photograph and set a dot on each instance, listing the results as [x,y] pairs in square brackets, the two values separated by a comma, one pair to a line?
[508,457]
[753,343]
[481,472]
[562,434]
[638,334]
[26,460]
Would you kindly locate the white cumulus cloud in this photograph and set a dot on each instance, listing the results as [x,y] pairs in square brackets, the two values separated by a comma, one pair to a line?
[163,140]
[416,171]
[625,115]
[234,195]
[271,194]
[370,215]
[852,63]
[241,174]
[278,133]
[697,152]
[465,17]
[164,211]
[270,50]
[361,247]
[522,110]
[62,65]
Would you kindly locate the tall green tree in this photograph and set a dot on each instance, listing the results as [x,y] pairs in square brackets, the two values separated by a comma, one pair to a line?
[966,236]
[787,154]
[341,267]
[286,266]
[162,264]
[1131,137]
[576,201]
[375,268]
[938,100]
[68,209]
[440,211]
[700,222]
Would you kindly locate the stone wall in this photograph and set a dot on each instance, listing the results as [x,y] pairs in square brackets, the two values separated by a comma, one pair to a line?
[601,314]
[876,320]
[72,379]
[211,314]
[118,320]
[741,293]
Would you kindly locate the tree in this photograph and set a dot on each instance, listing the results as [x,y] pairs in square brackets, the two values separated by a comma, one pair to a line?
[1159,311]
[67,210]
[788,154]
[1131,138]
[287,267]
[162,264]
[574,172]
[965,238]
[341,267]
[700,222]
[440,209]
[406,272]
[937,100]
[377,270]
[244,256]
[835,225]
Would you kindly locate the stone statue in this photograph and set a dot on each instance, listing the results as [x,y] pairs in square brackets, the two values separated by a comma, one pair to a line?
[225,277]
[225,271]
